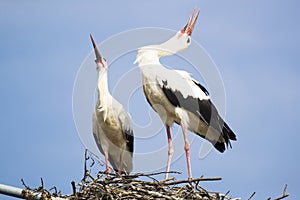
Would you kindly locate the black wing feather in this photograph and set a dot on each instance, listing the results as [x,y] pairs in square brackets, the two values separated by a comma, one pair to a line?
[201,108]
[201,87]
[130,139]
[204,109]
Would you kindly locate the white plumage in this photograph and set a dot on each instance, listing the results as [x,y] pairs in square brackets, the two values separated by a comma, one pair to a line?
[111,124]
[179,98]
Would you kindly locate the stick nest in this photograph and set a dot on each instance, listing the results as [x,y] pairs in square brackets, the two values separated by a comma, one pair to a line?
[135,186]
[142,186]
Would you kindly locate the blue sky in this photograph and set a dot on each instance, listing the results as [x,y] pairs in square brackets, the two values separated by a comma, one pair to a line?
[254,44]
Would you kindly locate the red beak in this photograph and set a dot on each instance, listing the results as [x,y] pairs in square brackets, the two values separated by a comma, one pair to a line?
[189,27]
[97,53]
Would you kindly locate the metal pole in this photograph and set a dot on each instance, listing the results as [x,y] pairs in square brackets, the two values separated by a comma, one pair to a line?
[24,194]
[11,191]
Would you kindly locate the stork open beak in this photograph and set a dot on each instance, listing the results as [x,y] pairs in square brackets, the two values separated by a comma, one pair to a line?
[189,27]
[97,53]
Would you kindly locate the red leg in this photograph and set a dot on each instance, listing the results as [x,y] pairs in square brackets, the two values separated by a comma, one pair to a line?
[120,163]
[187,151]
[106,163]
[170,151]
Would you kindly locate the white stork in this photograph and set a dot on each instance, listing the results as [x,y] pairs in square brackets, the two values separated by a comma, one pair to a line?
[179,98]
[111,124]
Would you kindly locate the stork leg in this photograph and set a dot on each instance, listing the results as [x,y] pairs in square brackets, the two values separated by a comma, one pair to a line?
[107,170]
[187,151]
[120,163]
[170,151]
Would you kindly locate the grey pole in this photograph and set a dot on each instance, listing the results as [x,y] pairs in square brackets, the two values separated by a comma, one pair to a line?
[23,194]
[11,191]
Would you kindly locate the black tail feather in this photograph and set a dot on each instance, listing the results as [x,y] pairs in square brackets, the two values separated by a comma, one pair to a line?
[227,135]
[220,146]
[229,132]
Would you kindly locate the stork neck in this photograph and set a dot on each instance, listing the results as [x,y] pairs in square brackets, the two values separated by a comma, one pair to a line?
[103,93]
[148,57]
[151,54]
[167,48]
[175,44]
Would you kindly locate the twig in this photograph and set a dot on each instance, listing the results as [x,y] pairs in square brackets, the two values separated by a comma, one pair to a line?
[74,189]
[284,195]
[53,188]
[202,189]
[170,179]
[152,193]
[23,183]
[41,187]
[151,174]
[252,195]
[158,173]
[85,171]
[193,180]
[223,196]
[284,190]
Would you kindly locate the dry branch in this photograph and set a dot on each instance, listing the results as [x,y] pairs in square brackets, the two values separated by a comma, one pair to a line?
[134,186]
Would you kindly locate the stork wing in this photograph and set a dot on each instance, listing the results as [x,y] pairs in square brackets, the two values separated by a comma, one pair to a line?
[185,92]
[124,119]
[96,130]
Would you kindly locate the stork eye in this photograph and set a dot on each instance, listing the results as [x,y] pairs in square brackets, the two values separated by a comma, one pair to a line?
[188,40]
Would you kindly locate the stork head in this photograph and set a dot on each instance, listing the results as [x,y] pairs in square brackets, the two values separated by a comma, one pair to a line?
[182,39]
[100,61]
[179,42]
